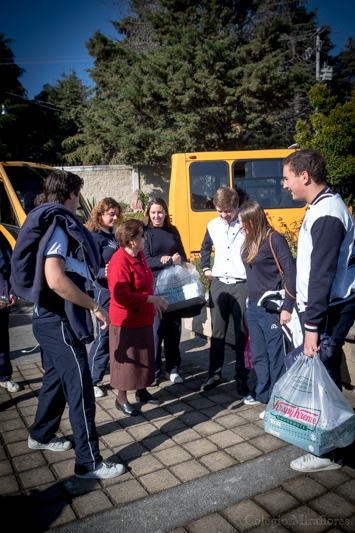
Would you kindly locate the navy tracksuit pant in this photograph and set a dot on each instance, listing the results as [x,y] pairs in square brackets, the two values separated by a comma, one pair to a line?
[66,379]
[267,348]
[5,363]
[100,351]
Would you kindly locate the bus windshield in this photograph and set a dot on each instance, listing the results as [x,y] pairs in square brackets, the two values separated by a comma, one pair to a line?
[27,183]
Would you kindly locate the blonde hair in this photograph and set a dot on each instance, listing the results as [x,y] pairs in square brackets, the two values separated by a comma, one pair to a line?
[95,220]
[256,228]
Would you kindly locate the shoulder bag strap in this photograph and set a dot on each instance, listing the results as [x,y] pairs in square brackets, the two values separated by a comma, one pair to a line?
[278,266]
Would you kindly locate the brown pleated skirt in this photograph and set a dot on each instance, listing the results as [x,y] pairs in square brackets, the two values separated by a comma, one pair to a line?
[132,363]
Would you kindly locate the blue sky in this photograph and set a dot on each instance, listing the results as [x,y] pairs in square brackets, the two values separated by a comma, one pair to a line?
[49,36]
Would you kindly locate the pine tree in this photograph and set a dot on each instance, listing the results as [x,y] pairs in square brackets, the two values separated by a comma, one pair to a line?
[343,82]
[212,75]
[57,116]
[14,106]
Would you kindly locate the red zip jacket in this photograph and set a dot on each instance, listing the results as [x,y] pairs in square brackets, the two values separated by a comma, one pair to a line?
[130,283]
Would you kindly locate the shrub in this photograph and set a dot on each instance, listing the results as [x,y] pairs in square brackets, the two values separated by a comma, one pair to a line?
[290,232]
[196,260]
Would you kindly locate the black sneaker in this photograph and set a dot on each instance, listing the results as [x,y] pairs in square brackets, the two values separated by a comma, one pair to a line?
[211,381]
[242,388]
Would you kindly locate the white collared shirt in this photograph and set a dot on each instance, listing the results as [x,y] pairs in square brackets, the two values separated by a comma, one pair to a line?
[227,241]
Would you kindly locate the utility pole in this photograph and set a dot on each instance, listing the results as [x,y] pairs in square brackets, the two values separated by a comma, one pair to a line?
[318,49]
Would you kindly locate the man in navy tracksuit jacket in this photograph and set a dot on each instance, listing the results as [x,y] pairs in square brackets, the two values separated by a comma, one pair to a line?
[53,258]
[325,283]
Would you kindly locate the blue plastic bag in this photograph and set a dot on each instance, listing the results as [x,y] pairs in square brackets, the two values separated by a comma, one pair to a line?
[308,410]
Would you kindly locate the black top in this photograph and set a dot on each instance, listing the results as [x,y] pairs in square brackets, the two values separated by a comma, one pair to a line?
[160,242]
[264,275]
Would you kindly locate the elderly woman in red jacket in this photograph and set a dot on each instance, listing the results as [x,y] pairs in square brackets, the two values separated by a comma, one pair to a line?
[132,311]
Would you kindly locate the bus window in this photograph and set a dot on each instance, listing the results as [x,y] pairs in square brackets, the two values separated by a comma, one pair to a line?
[7,215]
[205,178]
[82,212]
[262,180]
[27,183]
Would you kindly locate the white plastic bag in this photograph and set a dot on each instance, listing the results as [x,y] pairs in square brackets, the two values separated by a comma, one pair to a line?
[172,277]
[180,286]
[308,410]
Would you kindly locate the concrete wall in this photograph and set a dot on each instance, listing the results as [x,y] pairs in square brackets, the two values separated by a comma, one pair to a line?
[155,180]
[120,181]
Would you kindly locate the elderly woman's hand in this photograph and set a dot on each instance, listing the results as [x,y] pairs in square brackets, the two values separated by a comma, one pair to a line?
[158,302]
[106,268]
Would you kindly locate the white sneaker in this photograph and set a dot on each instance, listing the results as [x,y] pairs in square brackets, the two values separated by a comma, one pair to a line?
[249,400]
[99,393]
[312,463]
[10,385]
[55,445]
[104,470]
[262,415]
[174,377]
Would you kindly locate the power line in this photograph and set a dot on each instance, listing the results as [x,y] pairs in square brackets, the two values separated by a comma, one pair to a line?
[46,62]
[47,105]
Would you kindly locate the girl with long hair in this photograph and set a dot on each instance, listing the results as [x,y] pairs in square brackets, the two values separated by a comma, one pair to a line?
[102,223]
[265,325]
[163,248]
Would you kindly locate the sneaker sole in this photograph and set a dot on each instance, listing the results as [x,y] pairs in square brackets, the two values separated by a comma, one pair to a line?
[33,447]
[334,466]
[17,389]
[91,476]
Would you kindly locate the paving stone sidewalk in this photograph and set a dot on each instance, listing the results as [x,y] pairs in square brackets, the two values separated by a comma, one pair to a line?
[192,439]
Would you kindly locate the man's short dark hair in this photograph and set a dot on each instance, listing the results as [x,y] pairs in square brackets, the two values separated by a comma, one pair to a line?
[308,160]
[59,185]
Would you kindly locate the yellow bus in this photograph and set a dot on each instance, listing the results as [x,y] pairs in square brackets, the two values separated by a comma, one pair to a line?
[255,174]
[20,183]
